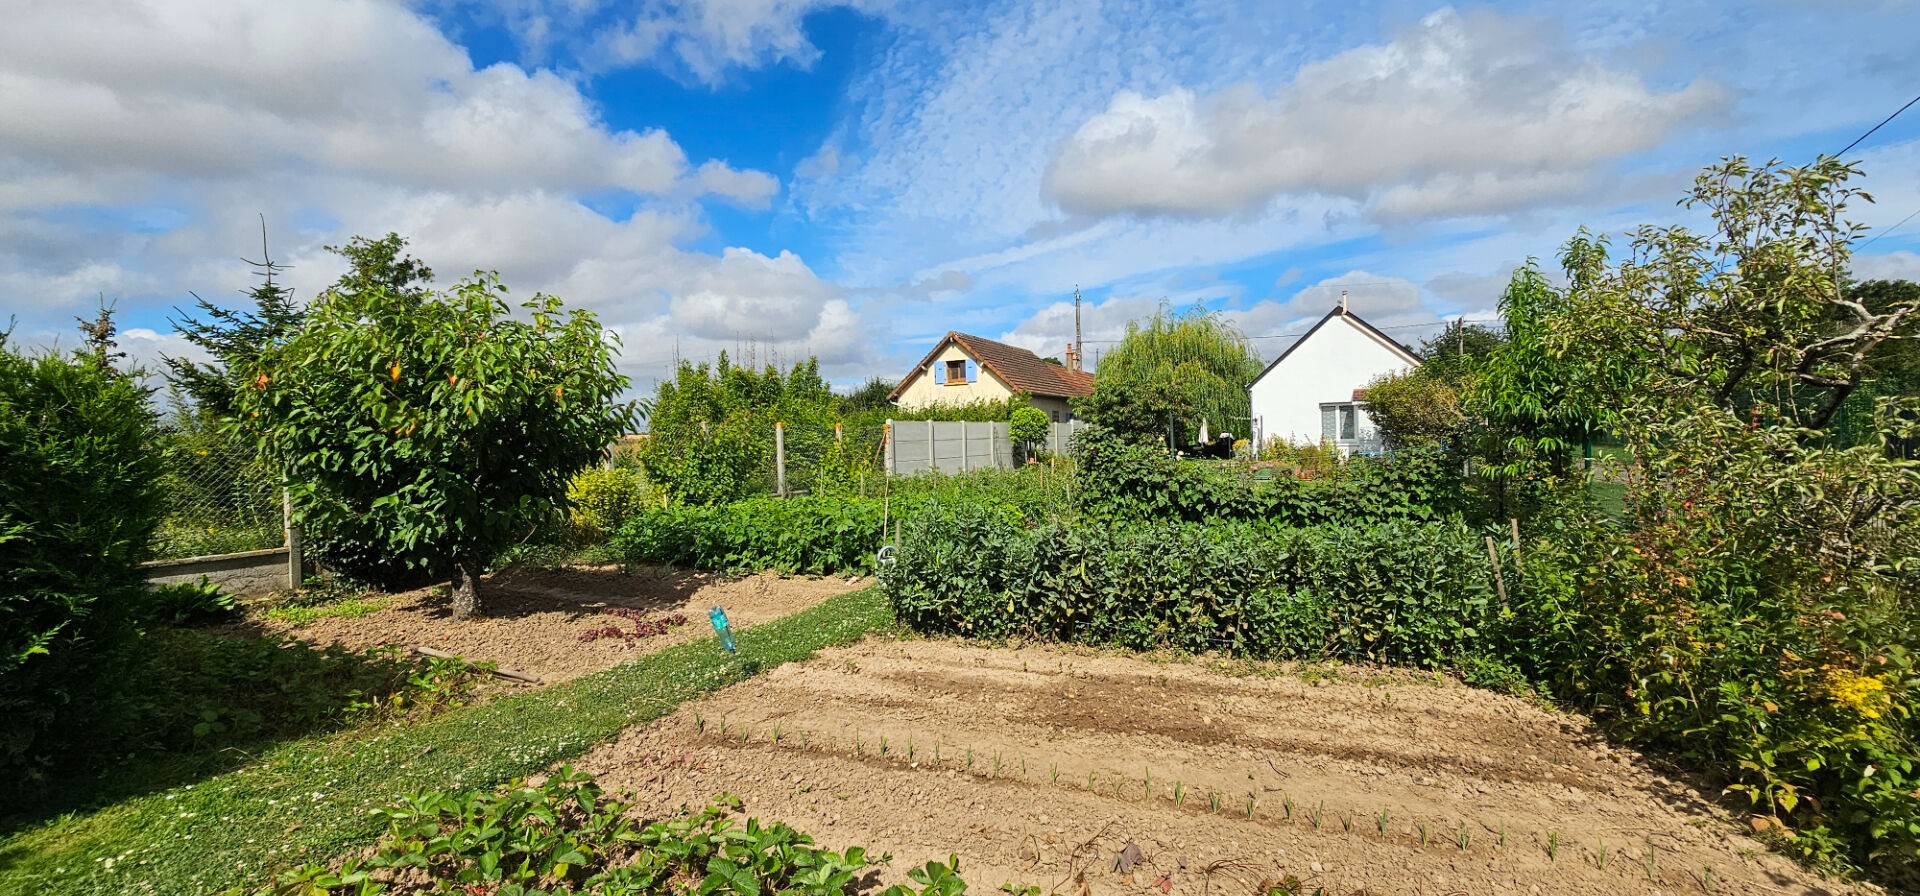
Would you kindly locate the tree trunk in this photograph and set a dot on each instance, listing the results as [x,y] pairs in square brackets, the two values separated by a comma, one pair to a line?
[466,590]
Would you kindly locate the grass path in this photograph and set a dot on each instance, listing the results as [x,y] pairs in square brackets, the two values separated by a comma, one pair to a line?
[307,799]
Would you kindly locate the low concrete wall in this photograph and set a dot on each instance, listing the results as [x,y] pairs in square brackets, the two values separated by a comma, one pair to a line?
[248,572]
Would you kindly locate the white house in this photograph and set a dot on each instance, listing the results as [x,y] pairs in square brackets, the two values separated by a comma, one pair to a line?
[1316,390]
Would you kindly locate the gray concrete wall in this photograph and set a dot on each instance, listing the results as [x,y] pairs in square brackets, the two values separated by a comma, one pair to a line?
[918,446]
[250,572]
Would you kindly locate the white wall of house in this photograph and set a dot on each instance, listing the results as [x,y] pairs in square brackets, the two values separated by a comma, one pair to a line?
[928,389]
[1321,373]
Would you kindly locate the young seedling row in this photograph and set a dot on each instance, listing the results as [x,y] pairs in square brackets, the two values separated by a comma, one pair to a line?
[1418,833]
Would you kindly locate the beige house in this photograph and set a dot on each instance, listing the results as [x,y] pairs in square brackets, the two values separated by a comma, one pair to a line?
[963,369]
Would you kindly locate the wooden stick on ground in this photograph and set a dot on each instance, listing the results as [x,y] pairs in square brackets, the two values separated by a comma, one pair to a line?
[509,674]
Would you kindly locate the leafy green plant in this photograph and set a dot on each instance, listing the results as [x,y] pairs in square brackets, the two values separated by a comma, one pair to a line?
[463,422]
[810,535]
[187,603]
[80,499]
[1401,592]
[604,498]
[565,836]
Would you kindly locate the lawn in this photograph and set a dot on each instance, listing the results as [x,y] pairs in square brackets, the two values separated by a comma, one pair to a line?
[308,799]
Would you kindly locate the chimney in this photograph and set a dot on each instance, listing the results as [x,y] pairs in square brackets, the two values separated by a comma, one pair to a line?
[1073,358]
[1343,302]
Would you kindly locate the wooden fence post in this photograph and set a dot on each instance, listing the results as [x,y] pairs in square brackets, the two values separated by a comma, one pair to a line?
[780,459]
[1518,565]
[295,575]
[1499,579]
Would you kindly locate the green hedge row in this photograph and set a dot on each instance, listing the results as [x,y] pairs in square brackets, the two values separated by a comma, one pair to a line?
[1123,481]
[805,535]
[1404,592]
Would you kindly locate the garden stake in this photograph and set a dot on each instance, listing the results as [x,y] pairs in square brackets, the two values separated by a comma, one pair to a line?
[1499,580]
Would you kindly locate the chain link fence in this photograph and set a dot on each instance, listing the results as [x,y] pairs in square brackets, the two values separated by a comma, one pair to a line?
[220,500]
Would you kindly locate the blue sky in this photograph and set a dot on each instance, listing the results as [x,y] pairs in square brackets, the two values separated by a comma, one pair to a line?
[853,179]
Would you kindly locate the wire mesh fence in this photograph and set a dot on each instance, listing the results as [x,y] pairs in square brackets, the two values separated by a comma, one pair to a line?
[220,500]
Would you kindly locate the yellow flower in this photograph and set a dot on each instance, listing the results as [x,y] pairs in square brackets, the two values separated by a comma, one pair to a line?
[1865,694]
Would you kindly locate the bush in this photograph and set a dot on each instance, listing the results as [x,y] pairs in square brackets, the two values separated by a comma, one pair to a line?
[604,498]
[1402,592]
[1122,481]
[805,535]
[79,502]
[1748,621]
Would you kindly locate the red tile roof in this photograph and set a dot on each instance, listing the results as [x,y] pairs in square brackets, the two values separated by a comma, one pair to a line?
[1021,370]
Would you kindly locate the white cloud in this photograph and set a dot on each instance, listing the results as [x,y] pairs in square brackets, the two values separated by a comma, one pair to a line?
[220,90]
[1458,115]
[1887,266]
[707,39]
[162,127]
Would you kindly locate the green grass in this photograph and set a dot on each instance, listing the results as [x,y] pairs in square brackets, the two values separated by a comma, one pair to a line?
[308,799]
[350,608]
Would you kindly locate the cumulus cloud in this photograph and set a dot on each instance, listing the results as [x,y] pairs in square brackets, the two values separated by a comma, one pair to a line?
[1459,115]
[236,88]
[161,127]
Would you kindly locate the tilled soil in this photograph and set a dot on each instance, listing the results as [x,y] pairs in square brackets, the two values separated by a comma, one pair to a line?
[536,617]
[1038,767]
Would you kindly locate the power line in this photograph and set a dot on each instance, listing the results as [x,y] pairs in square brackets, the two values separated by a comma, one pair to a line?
[1883,123]
[1896,226]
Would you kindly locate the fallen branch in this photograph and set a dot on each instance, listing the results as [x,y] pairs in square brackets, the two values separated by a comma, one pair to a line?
[509,674]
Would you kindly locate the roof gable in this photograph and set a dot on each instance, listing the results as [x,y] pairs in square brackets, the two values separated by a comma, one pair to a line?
[1359,323]
[1021,370]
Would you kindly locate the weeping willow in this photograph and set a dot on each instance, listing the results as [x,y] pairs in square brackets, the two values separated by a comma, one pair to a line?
[1172,371]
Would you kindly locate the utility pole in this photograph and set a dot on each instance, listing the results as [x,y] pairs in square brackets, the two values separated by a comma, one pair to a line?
[1079,350]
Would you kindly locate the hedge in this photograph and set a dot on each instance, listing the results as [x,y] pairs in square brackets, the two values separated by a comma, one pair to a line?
[1403,592]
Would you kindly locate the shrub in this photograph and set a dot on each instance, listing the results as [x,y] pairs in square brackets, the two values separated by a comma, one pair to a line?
[79,502]
[1403,592]
[1750,620]
[603,498]
[1121,481]
[1027,428]
[804,535]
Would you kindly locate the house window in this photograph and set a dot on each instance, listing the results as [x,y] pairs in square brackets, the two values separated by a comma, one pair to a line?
[1056,416]
[1339,422]
[956,373]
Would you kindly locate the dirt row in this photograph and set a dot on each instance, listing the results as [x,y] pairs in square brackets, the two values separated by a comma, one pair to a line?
[1087,773]
[536,618]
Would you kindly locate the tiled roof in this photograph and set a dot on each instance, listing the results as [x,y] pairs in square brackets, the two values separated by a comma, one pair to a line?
[1021,370]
